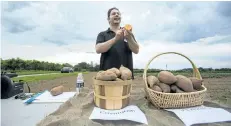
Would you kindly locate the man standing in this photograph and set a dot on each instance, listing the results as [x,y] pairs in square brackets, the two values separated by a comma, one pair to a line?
[116,44]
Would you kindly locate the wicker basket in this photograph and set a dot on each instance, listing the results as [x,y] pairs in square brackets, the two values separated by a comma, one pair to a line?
[174,100]
[112,95]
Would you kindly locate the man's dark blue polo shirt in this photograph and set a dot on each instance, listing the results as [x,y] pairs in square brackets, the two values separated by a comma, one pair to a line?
[119,54]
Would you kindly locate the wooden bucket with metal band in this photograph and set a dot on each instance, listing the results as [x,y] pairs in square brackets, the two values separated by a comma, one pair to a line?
[112,95]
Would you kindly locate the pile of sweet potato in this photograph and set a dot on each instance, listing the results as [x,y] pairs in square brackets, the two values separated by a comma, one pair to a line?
[114,74]
[167,82]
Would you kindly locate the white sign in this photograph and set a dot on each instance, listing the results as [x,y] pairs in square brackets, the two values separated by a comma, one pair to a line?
[47,97]
[201,114]
[132,113]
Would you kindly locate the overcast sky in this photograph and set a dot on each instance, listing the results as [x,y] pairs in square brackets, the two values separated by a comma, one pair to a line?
[66,31]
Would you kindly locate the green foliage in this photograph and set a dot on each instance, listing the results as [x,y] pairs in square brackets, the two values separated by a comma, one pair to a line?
[19,65]
[43,77]
[28,72]
[190,74]
[211,70]
[83,66]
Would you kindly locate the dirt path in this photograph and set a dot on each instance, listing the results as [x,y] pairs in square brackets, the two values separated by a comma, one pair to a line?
[219,89]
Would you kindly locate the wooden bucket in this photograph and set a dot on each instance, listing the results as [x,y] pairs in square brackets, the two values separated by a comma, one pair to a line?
[174,100]
[112,95]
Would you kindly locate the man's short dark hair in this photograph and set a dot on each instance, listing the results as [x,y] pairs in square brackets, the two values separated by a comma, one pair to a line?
[109,11]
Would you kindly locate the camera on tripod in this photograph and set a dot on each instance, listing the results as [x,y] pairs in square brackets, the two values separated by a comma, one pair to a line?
[10,88]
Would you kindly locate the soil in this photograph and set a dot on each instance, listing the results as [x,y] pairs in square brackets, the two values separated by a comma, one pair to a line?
[76,111]
[219,89]
[69,83]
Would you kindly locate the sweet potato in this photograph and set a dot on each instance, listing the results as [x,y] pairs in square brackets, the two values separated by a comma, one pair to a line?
[197,83]
[126,74]
[100,72]
[175,89]
[156,88]
[118,79]
[165,87]
[106,76]
[57,90]
[184,83]
[179,91]
[116,71]
[128,27]
[152,80]
[166,77]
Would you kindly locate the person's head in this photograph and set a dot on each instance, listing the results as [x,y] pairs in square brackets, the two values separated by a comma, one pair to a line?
[114,16]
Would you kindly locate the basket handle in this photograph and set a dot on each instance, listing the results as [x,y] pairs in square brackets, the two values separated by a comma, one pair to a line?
[196,72]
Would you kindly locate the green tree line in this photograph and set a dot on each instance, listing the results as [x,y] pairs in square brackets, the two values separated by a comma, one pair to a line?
[16,64]
[221,70]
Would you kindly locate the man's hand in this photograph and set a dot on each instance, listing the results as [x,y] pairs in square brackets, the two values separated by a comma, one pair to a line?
[119,35]
[133,45]
[105,46]
[127,34]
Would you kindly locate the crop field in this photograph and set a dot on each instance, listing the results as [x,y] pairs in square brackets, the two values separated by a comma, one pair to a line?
[29,72]
[218,84]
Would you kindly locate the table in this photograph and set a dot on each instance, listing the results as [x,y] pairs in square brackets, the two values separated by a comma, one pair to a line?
[15,113]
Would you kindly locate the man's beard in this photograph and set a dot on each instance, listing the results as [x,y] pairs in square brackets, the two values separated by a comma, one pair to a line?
[117,22]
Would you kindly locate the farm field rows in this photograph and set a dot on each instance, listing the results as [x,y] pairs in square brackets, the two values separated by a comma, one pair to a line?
[219,89]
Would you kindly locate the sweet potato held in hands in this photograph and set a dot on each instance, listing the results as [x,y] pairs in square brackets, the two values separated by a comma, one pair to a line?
[128,27]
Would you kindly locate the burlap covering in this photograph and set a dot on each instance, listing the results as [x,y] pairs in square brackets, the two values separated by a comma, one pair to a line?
[76,112]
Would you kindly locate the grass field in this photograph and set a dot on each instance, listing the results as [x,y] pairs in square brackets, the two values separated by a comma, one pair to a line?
[58,75]
[44,77]
[28,72]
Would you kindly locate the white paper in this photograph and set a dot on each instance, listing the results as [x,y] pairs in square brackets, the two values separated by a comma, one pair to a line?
[50,101]
[47,97]
[201,114]
[132,113]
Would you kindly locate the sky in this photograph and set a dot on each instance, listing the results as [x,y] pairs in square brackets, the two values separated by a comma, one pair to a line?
[66,32]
